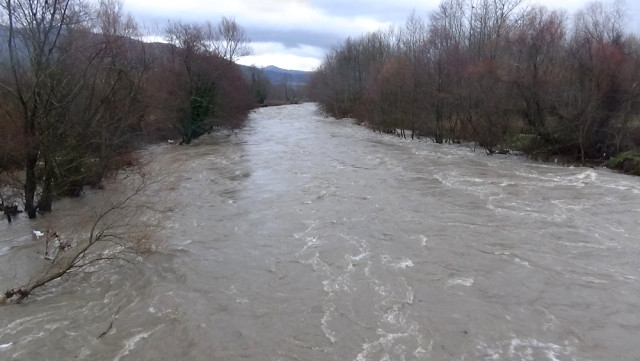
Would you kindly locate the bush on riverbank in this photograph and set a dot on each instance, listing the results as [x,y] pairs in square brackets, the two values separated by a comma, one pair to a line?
[627,162]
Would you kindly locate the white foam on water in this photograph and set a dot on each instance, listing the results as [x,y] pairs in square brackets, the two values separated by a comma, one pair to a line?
[593,280]
[337,284]
[35,336]
[585,245]
[181,244]
[362,247]
[470,184]
[382,290]
[54,325]
[311,242]
[360,256]
[131,343]
[386,343]
[564,204]
[531,349]
[577,180]
[325,326]
[6,346]
[588,175]
[312,224]
[624,187]
[16,325]
[5,250]
[489,353]
[522,262]
[420,352]
[395,317]
[462,281]
[316,263]
[528,349]
[399,264]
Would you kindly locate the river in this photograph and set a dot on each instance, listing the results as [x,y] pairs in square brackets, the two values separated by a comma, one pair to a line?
[304,237]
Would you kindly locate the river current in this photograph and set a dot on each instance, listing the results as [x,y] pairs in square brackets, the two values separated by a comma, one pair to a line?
[304,237]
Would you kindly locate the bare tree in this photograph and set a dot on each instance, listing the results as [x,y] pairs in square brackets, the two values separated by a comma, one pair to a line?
[232,41]
[100,121]
[445,62]
[347,71]
[599,85]
[194,50]
[537,52]
[496,73]
[212,91]
[35,29]
[390,99]
[414,46]
[76,80]
[260,85]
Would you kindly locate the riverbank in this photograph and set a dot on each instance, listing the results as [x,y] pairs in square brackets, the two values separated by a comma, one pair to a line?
[309,238]
[627,162]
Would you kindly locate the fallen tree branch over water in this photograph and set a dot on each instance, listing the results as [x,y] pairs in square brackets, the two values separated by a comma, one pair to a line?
[120,231]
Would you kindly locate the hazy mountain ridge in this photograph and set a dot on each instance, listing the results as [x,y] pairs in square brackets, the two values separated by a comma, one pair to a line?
[278,76]
[275,74]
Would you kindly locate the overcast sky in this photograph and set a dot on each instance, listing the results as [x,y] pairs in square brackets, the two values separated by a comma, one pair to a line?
[294,34]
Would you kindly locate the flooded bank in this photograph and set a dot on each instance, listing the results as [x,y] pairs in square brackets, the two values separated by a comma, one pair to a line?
[308,238]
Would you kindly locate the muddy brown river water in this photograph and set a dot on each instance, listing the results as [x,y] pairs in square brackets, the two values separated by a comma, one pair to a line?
[308,238]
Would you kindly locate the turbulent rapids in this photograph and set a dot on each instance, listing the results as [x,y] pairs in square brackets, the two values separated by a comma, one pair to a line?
[308,238]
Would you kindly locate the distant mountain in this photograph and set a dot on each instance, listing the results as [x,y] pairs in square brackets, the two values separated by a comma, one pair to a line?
[275,75]
[280,76]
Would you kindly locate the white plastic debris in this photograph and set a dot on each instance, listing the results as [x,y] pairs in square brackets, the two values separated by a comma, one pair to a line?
[36,235]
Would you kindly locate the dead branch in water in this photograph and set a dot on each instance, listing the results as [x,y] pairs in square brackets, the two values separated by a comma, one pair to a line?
[120,231]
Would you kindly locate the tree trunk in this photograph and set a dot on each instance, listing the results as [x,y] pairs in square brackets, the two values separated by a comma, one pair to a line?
[30,184]
[46,199]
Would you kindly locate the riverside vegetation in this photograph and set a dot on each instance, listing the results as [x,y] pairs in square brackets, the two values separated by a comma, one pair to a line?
[81,91]
[502,74]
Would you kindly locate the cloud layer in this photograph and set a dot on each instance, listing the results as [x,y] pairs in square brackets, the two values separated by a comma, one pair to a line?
[295,34]
[291,34]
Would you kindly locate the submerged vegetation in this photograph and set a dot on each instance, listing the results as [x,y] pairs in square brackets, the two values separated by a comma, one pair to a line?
[80,90]
[120,230]
[501,73]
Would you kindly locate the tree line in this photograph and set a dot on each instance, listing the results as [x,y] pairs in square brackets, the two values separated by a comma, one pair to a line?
[79,90]
[500,73]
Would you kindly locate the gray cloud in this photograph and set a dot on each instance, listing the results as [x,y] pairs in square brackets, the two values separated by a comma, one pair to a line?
[293,39]
[318,24]
[383,11]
